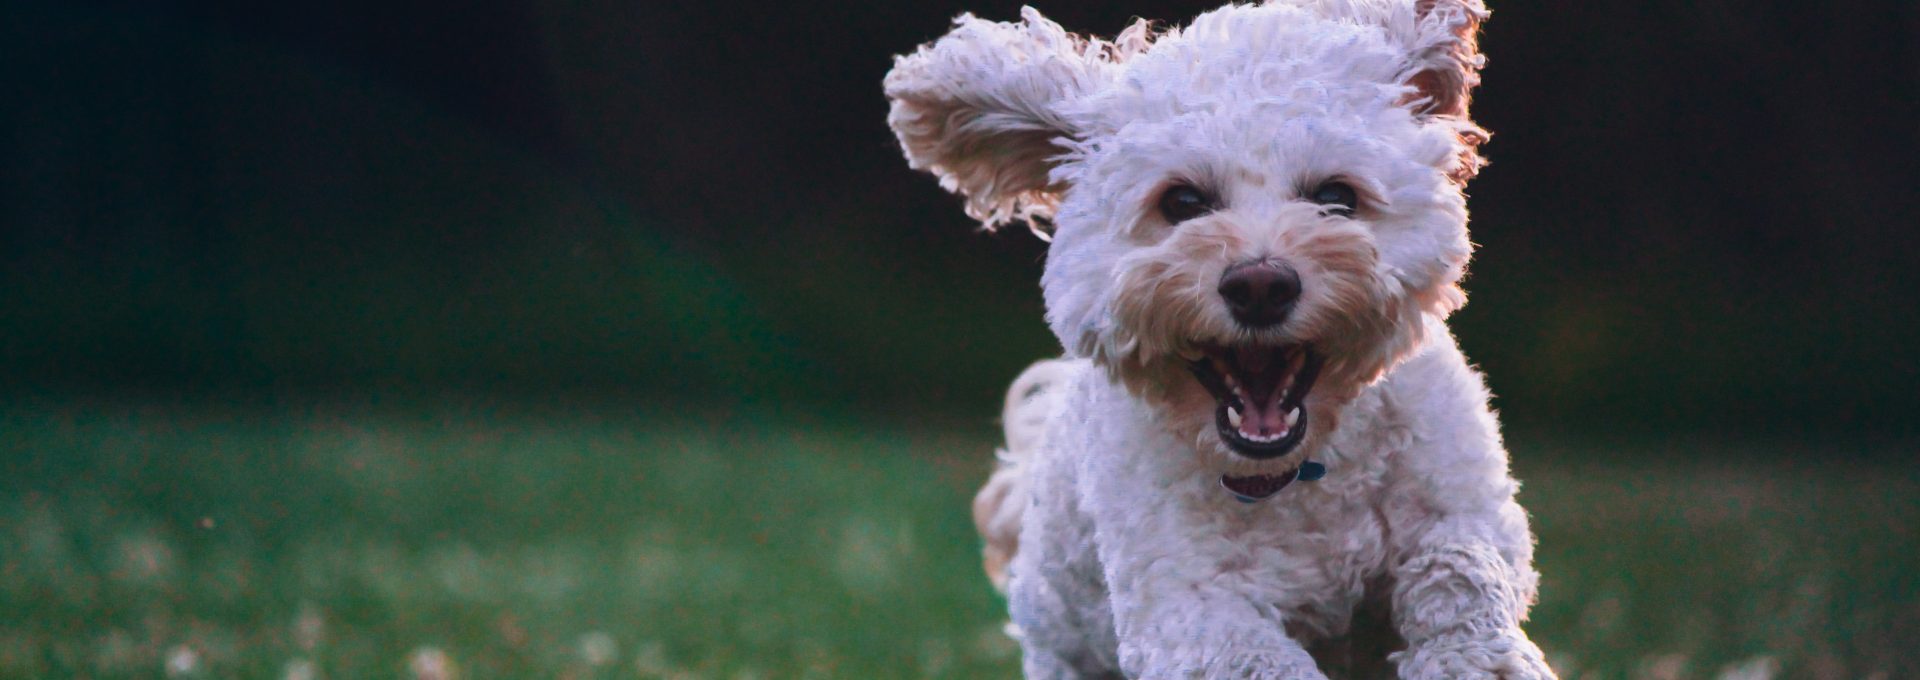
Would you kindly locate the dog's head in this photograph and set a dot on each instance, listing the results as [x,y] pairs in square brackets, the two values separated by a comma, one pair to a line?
[1253,217]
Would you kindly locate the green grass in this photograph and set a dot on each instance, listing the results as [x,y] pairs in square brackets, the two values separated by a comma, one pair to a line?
[355,542]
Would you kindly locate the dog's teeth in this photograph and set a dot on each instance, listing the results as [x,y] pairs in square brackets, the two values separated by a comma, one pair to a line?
[1191,354]
[1233,416]
[1293,416]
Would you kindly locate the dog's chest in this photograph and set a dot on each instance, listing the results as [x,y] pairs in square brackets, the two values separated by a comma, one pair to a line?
[1315,547]
[1310,550]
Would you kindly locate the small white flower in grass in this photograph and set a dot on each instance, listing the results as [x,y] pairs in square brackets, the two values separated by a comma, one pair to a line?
[598,648]
[300,669]
[309,626]
[181,661]
[1757,668]
[430,663]
[1663,667]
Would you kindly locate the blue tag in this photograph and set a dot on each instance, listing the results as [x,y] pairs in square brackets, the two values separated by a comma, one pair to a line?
[1310,471]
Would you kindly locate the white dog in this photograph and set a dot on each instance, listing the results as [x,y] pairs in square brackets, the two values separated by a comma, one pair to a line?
[1262,426]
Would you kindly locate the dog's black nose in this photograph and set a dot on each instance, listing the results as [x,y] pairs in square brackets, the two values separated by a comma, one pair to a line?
[1260,293]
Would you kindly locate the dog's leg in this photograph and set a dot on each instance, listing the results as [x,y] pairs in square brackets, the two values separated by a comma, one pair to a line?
[1184,606]
[1459,607]
[1178,615]
[1031,513]
[1059,603]
[1460,551]
[1056,596]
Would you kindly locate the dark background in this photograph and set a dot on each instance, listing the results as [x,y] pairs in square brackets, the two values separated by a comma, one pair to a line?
[1700,216]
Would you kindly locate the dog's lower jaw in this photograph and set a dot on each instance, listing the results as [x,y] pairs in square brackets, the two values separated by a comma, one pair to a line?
[1177,405]
[1218,458]
[1215,456]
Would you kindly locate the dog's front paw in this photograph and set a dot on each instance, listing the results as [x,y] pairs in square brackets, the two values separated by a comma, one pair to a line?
[1503,656]
[1287,663]
[1290,664]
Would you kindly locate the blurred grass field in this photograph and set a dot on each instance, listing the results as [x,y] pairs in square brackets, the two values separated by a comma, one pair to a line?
[139,541]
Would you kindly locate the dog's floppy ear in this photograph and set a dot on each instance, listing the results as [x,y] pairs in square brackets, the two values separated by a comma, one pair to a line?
[1444,69]
[1447,55]
[980,109]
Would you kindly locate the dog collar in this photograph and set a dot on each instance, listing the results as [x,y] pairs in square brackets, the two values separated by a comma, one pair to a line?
[1256,488]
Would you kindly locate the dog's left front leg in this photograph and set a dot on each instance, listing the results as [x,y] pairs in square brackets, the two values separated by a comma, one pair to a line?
[1462,583]
[1460,552]
[1461,562]
[1459,607]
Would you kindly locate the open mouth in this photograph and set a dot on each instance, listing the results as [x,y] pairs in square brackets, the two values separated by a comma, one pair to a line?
[1261,390]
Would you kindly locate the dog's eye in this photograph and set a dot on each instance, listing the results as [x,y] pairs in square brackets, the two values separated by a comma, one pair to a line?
[1339,196]
[1180,203]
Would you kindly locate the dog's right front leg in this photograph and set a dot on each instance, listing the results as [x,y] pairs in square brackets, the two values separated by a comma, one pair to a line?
[1177,610]
[1175,626]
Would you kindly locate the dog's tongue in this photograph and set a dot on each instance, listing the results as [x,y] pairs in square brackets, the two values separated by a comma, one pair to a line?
[1263,420]
[1260,377]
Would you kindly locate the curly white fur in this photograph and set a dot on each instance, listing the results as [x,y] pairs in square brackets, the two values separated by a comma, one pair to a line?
[1126,555]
